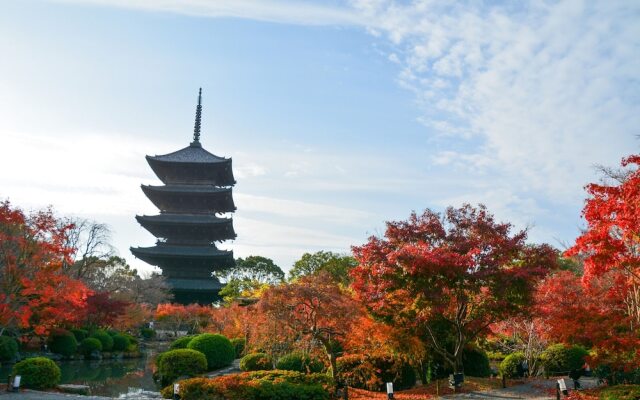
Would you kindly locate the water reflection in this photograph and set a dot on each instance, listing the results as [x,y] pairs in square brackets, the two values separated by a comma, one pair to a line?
[111,378]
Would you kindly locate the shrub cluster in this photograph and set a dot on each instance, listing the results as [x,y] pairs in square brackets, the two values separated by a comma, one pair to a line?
[80,334]
[258,385]
[104,338]
[89,345]
[38,373]
[256,362]
[372,372]
[476,363]
[147,333]
[63,342]
[239,344]
[217,349]
[559,359]
[511,366]
[120,342]
[8,348]
[299,362]
[181,343]
[180,362]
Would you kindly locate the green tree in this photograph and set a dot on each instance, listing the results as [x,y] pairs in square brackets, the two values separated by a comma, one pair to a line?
[336,265]
[248,276]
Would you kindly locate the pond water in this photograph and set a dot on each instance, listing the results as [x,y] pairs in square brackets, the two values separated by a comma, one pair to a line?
[112,378]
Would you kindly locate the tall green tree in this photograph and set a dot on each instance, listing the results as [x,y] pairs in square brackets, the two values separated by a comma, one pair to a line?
[248,276]
[337,266]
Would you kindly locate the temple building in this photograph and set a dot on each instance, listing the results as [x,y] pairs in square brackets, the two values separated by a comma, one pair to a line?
[196,194]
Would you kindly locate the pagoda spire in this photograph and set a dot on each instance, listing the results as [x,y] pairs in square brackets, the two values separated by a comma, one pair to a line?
[196,128]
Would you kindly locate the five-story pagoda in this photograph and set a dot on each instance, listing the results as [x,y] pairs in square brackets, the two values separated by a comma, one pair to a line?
[196,191]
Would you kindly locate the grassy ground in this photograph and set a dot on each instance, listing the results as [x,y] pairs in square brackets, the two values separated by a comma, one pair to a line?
[434,389]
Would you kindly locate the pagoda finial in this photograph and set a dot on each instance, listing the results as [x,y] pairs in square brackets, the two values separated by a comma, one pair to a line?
[196,128]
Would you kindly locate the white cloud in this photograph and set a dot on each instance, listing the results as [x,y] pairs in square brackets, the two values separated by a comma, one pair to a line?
[281,11]
[549,89]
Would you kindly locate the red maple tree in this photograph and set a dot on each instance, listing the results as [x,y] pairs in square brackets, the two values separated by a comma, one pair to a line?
[35,294]
[449,276]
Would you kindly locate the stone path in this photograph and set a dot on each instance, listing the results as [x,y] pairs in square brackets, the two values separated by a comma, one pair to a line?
[534,390]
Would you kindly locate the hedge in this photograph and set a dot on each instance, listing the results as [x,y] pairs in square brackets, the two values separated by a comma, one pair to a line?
[217,349]
[38,373]
[511,366]
[559,359]
[89,345]
[181,362]
[62,342]
[476,363]
[299,362]
[8,348]
[239,345]
[105,339]
[80,334]
[256,362]
[181,343]
[120,342]
[258,385]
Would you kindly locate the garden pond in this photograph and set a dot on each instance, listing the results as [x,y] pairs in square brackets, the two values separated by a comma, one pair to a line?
[109,377]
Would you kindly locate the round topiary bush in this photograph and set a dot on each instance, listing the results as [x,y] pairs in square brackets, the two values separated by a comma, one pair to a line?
[181,343]
[120,342]
[511,366]
[8,348]
[559,359]
[105,339]
[256,362]
[80,334]
[63,342]
[238,344]
[181,362]
[38,373]
[217,349]
[299,362]
[476,363]
[89,345]
[147,333]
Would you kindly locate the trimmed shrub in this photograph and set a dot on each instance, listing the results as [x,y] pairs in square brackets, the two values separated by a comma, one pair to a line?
[112,332]
[371,373]
[80,334]
[8,348]
[89,345]
[621,392]
[105,339]
[38,373]
[258,385]
[511,366]
[256,362]
[63,342]
[217,349]
[476,363]
[181,362]
[147,333]
[239,344]
[559,359]
[299,362]
[120,342]
[181,343]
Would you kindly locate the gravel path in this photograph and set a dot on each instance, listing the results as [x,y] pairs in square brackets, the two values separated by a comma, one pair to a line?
[538,389]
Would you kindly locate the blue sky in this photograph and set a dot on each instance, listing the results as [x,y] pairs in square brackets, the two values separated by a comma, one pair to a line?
[338,115]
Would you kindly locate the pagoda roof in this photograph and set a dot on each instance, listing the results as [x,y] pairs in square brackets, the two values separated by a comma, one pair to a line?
[187,189]
[194,284]
[165,250]
[183,219]
[190,199]
[194,153]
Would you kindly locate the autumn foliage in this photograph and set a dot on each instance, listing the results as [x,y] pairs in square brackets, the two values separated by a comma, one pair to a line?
[449,276]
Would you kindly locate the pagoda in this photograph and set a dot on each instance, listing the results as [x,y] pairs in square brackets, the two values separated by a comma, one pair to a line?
[195,196]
